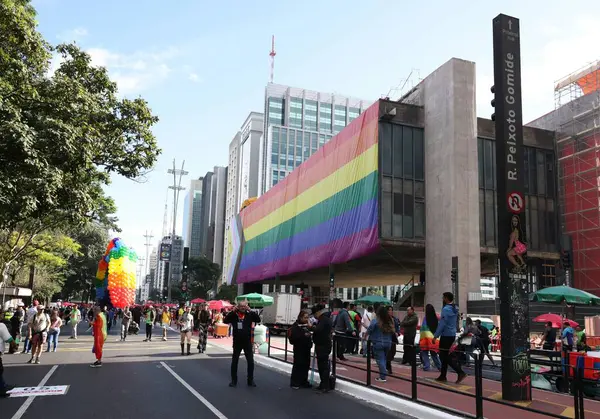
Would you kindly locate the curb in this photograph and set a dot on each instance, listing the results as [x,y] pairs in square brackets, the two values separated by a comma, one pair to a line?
[365,394]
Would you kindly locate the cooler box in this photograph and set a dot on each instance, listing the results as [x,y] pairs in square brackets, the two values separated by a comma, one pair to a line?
[591,365]
[221,329]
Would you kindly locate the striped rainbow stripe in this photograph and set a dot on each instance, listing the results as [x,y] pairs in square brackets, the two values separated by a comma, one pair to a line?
[324,212]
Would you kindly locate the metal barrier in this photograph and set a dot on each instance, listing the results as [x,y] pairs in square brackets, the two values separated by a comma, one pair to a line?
[576,382]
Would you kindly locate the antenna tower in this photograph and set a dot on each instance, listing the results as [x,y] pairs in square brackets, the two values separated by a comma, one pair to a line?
[272,54]
[148,237]
[176,187]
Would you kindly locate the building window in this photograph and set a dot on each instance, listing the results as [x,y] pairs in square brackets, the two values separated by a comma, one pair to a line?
[310,115]
[325,117]
[339,118]
[275,107]
[295,120]
[353,113]
[400,190]
[540,213]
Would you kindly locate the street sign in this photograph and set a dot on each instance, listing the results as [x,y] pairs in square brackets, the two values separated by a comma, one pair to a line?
[516,203]
[510,188]
[38,391]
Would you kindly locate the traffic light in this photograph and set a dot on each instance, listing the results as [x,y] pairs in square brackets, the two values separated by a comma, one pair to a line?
[565,259]
[493,103]
[454,274]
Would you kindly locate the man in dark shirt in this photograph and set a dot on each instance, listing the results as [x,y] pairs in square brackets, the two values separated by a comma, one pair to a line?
[203,321]
[241,319]
[322,333]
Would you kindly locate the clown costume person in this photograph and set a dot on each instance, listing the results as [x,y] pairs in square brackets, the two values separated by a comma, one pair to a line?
[100,333]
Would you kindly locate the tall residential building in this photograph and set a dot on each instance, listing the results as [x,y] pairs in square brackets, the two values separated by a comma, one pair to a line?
[171,267]
[192,211]
[242,173]
[297,123]
[212,218]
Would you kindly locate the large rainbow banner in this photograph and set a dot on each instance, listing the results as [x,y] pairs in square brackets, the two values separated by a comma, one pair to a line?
[325,211]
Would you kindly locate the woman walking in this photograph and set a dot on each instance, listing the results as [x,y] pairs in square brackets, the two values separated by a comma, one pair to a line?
[38,333]
[55,325]
[380,333]
[429,324]
[186,323]
[301,339]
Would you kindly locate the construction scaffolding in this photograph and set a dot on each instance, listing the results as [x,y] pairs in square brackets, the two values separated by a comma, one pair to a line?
[577,126]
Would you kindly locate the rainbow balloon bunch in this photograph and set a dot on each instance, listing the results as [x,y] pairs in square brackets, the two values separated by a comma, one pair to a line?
[116,273]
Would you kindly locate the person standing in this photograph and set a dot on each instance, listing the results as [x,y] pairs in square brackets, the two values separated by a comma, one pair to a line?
[150,315]
[54,332]
[75,319]
[166,322]
[380,333]
[428,327]
[203,323]
[301,339]
[100,332]
[446,332]
[409,324]
[38,333]
[568,336]
[322,333]
[186,325]
[5,338]
[365,323]
[241,318]
[125,323]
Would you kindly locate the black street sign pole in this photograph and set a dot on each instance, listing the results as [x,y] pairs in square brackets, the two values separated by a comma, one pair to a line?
[512,240]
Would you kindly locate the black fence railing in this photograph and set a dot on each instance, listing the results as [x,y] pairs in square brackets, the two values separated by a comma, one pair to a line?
[574,383]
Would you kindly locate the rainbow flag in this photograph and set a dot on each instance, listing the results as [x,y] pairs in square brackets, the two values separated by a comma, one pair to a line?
[325,211]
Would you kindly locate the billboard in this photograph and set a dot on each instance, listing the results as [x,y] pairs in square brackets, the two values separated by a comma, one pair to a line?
[165,252]
[324,212]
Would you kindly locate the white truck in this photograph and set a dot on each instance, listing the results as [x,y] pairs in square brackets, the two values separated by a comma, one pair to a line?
[283,313]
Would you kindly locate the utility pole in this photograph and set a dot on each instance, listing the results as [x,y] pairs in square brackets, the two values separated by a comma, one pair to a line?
[176,187]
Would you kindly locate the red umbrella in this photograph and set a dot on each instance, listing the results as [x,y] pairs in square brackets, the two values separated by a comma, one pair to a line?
[197,301]
[556,319]
[218,304]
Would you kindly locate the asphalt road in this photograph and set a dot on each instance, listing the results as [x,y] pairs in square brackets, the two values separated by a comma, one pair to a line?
[152,380]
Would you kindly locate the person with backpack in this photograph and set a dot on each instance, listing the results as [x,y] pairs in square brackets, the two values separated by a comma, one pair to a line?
[300,338]
[364,325]
[484,340]
[38,333]
[344,329]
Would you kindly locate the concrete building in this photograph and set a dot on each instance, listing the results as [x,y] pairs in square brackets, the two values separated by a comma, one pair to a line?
[212,218]
[436,199]
[192,211]
[243,169]
[297,122]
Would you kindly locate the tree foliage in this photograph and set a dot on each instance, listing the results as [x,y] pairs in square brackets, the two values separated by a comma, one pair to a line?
[62,136]
[203,275]
[227,292]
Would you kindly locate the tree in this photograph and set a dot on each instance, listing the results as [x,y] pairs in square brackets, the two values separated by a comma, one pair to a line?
[49,253]
[227,292]
[82,267]
[203,276]
[61,136]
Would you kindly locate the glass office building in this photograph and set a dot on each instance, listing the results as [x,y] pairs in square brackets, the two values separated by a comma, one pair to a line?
[297,123]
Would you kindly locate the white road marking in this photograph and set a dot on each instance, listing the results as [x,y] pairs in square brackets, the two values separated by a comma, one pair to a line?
[19,414]
[194,392]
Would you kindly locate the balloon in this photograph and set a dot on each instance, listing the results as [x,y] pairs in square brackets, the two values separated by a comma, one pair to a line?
[116,274]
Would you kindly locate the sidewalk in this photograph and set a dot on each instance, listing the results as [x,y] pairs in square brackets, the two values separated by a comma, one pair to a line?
[553,403]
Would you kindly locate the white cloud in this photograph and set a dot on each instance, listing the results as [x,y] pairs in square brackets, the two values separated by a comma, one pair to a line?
[137,71]
[194,77]
[76,35]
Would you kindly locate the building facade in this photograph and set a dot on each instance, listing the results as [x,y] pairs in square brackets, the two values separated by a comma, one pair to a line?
[232,193]
[434,183]
[171,267]
[297,122]
[192,209]
[212,224]
[251,134]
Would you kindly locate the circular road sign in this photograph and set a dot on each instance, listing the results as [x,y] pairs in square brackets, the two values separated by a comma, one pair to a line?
[516,203]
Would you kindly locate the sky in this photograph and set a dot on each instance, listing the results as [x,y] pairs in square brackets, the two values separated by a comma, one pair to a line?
[203,66]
